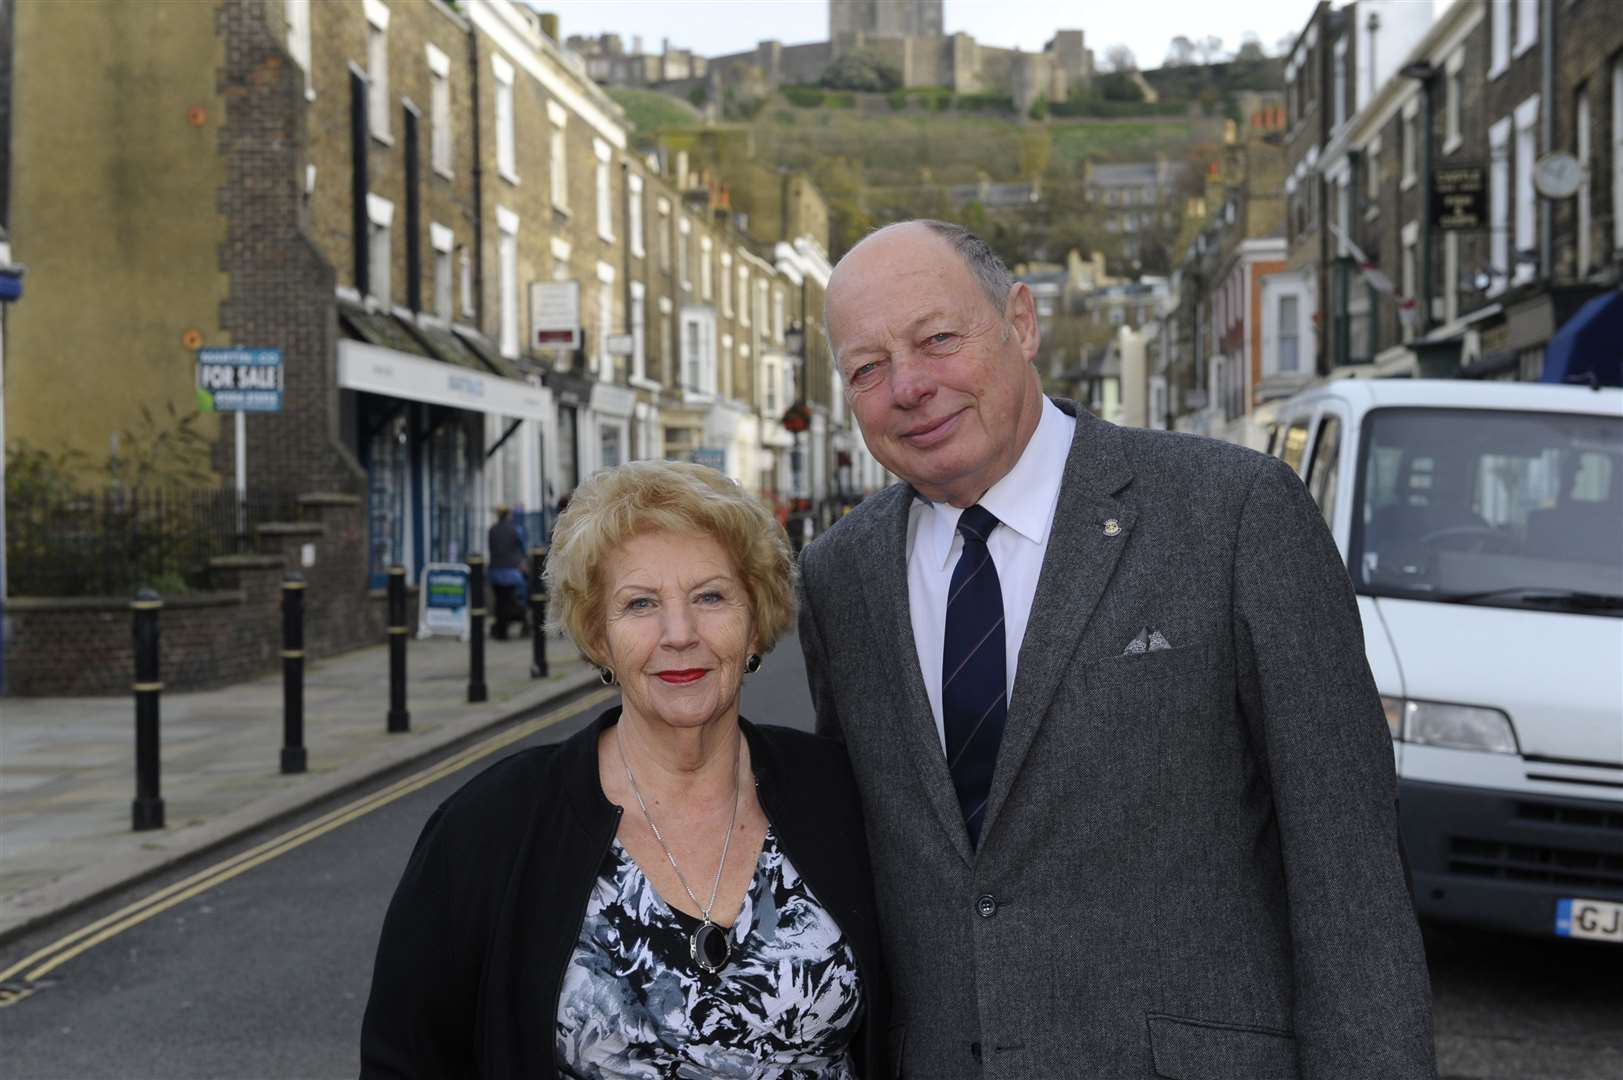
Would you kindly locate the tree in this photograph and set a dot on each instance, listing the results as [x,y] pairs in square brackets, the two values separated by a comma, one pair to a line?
[1181,53]
[1251,48]
[1120,58]
[861,70]
[1283,46]
[1210,49]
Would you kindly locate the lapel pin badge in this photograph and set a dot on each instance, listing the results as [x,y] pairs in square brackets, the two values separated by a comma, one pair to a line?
[1112,527]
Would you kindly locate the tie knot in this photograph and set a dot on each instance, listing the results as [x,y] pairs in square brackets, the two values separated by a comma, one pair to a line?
[977,523]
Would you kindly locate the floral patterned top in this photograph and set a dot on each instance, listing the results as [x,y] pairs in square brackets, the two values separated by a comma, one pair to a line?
[635,1006]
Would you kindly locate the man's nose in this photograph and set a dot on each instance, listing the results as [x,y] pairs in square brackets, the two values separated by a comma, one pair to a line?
[912,382]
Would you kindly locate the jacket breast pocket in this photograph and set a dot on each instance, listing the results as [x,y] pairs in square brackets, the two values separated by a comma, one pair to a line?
[1185,1049]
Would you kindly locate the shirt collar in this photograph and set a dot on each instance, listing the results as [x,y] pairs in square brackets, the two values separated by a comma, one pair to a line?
[1024,499]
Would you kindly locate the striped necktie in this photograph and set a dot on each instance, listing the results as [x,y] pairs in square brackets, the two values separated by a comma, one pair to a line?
[973,669]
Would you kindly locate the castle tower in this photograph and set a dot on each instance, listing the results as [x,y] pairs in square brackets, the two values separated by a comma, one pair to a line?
[886,18]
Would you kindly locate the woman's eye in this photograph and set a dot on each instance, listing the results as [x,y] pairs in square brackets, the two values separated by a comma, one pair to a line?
[711,597]
[639,603]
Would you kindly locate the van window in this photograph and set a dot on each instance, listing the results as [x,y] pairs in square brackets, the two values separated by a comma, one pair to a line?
[1518,509]
[1322,470]
[1295,443]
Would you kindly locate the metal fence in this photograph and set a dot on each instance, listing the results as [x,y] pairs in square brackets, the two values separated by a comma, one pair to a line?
[113,542]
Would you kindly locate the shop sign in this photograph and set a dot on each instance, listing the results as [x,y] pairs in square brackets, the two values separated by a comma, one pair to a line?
[716,459]
[442,601]
[1459,198]
[239,380]
[555,315]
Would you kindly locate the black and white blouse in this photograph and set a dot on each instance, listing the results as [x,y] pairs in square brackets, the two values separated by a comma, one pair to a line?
[635,1006]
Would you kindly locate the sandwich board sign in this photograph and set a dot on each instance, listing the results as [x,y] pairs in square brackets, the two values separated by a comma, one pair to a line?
[442,601]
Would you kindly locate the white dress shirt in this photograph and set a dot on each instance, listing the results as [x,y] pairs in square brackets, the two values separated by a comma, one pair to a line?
[1024,501]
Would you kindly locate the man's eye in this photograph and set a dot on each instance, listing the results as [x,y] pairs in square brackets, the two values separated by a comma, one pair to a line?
[863,374]
[943,338]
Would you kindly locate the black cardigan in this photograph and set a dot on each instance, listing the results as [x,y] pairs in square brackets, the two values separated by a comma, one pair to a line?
[485,919]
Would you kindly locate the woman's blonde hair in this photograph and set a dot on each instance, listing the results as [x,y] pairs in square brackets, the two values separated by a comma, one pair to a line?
[643,497]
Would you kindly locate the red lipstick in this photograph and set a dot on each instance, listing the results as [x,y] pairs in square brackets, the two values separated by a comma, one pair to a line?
[681,677]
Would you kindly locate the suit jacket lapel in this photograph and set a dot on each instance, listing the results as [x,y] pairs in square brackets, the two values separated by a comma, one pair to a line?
[884,580]
[1080,561]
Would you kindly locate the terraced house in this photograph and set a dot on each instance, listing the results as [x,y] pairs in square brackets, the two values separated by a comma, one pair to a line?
[480,291]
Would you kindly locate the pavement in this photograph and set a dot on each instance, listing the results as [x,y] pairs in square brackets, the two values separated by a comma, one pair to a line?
[67,765]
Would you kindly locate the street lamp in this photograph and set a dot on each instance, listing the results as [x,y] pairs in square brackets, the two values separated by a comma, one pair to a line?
[796,419]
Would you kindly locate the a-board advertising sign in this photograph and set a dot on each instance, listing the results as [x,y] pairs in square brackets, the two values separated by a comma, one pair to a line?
[442,601]
[555,315]
[239,380]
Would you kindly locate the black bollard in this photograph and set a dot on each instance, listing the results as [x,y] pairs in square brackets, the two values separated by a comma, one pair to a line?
[399,718]
[538,612]
[293,757]
[477,690]
[147,810]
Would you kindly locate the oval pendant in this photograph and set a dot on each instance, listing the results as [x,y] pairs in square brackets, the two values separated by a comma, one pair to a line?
[709,946]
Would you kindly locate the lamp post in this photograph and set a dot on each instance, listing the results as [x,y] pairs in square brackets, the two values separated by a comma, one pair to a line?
[796,419]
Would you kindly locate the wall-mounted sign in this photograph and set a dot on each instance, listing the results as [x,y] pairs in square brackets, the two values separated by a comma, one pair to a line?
[1459,198]
[620,344]
[705,455]
[239,380]
[442,601]
[555,315]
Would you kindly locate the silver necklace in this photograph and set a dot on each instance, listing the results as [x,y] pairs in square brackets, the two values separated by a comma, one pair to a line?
[708,945]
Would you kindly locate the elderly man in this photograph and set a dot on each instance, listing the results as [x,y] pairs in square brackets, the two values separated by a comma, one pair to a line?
[1128,787]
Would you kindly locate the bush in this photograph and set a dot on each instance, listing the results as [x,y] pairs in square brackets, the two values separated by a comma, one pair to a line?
[842,101]
[861,70]
[805,97]
[897,99]
[697,97]
[986,103]
[1039,109]
[943,102]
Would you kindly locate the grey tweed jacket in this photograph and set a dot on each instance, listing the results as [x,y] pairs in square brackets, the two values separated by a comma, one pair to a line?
[1189,866]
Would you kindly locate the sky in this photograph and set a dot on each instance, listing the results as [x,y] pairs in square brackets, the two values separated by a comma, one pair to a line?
[719,27]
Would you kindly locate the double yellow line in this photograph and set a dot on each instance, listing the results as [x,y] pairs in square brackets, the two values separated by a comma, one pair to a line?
[41,963]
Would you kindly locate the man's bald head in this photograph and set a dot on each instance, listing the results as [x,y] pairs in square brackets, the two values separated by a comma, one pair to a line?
[978,257]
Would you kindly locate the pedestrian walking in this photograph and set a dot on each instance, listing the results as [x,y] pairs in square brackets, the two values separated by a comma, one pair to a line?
[673,891]
[509,569]
[1127,780]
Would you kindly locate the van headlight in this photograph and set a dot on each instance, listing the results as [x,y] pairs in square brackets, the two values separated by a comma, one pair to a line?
[1458,727]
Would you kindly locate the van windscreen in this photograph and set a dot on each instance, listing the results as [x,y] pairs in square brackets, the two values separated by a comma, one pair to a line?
[1519,509]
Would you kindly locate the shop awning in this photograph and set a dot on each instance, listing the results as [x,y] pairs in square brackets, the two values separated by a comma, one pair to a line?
[377,328]
[1588,348]
[374,369]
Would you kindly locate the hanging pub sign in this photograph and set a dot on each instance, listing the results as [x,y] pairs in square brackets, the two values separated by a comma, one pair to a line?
[1459,198]
[442,601]
[796,418]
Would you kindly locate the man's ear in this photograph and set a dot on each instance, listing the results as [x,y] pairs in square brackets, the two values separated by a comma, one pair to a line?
[1021,313]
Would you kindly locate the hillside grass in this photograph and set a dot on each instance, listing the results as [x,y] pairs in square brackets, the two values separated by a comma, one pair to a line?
[650,110]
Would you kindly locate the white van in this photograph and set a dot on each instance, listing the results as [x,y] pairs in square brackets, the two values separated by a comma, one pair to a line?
[1482,524]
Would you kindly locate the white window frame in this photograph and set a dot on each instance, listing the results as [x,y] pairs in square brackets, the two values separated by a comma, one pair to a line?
[378,106]
[1526,26]
[1498,37]
[634,200]
[604,183]
[507,281]
[727,284]
[1410,284]
[701,362]
[1339,108]
[1526,198]
[724,363]
[1410,127]
[1499,137]
[777,315]
[1454,105]
[379,249]
[662,206]
[639,332]
[439,109]
[443,243]
[684,232]
[763,292]
[465,271]
[506,124]
[745,300]
[1583,119]
[605,321]
[559,155]
[707,274]
[298,41]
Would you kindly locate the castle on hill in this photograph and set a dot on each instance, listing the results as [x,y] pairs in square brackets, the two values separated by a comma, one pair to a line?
[909,35]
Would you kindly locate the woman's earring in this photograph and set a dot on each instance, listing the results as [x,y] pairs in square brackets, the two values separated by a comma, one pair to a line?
[607,675]
[753,664]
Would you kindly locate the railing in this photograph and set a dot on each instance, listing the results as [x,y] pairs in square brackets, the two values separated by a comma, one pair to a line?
[111,542]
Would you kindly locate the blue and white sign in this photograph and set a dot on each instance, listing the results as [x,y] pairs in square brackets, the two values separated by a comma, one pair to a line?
[239,380]
[442,601]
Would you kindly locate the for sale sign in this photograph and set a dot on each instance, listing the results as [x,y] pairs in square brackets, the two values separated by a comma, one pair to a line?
[239,380]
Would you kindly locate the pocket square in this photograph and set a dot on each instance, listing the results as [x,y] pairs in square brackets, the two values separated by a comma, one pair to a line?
[1147,641]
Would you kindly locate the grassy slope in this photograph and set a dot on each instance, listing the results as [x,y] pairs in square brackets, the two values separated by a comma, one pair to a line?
[649,110]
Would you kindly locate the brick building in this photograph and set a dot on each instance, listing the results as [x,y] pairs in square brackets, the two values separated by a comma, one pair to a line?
[406,198]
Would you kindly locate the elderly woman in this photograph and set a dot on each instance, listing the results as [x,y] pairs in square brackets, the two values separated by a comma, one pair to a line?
[672,892]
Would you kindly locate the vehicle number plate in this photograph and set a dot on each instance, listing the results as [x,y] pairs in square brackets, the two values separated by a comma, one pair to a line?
[1597,920]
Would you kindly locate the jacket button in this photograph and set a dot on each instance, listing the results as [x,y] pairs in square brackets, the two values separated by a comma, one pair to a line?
[986,906]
